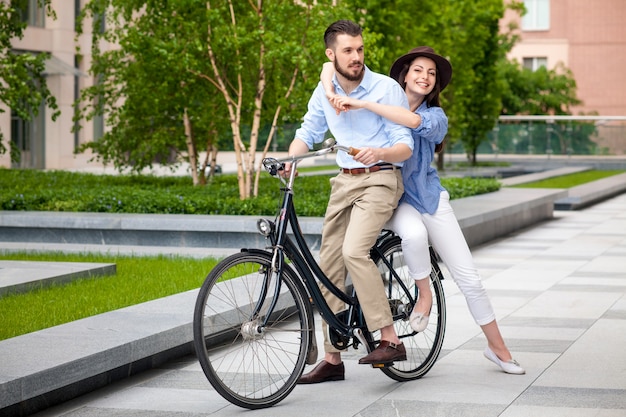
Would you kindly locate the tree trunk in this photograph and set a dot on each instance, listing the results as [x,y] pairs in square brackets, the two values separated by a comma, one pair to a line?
[256,118]
[191,148]
[441,160]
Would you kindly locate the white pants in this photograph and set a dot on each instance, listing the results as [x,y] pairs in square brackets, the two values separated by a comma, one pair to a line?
[447,239]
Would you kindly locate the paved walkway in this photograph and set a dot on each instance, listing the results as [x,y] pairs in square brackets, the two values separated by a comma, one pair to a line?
[559,290]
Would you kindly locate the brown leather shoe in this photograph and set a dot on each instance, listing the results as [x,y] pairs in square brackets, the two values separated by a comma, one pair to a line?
[323,372]
[386,352]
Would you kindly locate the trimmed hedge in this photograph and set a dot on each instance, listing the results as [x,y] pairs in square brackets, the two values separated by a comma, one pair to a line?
[33,190]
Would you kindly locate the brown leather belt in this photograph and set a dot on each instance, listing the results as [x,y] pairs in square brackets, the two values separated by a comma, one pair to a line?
[374,168]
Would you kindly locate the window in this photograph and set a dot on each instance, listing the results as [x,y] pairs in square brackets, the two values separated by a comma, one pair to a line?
[33,14]
[29,138]
[535,63]
[537,15]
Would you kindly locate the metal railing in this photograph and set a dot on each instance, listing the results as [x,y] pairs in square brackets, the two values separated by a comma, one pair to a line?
[555,135]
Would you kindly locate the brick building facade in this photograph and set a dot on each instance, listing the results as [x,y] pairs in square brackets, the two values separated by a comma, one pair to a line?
[588,37]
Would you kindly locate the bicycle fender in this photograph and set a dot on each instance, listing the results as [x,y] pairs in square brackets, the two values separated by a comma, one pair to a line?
[255,250]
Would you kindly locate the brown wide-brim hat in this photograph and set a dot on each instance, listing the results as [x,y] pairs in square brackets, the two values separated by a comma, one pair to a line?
[444,68]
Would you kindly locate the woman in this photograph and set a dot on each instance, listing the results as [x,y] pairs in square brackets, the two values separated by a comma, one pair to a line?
[424,211]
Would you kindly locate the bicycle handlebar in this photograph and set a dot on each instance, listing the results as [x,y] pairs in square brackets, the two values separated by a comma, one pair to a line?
[349,150]
[273,165]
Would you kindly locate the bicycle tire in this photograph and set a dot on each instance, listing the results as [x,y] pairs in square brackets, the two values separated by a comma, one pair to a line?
[250,369]
[422,348]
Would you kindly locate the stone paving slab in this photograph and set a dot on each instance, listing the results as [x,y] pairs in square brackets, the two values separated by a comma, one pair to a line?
[563,316]
[568,334]
[23,276]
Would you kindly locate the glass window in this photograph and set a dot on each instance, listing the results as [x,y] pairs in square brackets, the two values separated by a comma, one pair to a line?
[33,14]
[535,63]
[28,136]
[537,15]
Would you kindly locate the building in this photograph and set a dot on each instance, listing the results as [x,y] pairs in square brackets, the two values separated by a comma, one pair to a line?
[45,143]
[587,37]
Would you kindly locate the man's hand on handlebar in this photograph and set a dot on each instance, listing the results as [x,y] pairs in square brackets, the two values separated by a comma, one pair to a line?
[367,156]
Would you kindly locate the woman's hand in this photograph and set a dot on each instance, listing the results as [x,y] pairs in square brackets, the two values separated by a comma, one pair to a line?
[343,103]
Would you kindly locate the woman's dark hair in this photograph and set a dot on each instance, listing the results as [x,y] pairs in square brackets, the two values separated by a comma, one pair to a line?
[341,27]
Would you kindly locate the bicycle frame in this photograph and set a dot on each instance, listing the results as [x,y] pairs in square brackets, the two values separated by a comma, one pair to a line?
[254,327]
[301,257]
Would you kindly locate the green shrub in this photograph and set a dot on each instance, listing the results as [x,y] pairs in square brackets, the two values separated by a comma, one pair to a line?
[33,190]
[466,187]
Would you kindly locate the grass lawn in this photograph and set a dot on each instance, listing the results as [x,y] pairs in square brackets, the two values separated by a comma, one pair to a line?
[570,180]
[138,279]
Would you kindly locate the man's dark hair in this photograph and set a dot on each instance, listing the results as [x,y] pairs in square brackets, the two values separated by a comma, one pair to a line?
[341,27]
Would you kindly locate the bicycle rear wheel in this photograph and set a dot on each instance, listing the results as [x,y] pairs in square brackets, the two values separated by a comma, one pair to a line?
[423,348]
[250,365]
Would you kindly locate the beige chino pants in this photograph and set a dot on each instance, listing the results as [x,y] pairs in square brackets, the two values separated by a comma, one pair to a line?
[358,208]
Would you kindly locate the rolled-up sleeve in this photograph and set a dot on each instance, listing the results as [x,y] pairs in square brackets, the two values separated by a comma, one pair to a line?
[314,125]
[434,125]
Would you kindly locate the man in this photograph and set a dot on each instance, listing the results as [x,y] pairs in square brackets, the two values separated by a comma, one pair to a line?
[364,193]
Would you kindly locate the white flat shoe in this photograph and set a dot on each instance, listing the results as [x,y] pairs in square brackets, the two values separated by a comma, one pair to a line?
[418,321]
[510,367]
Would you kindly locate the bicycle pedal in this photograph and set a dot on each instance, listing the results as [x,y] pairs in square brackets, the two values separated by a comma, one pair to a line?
[382,365]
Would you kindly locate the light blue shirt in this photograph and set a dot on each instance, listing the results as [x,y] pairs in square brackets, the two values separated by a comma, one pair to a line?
[358,127]
[422,186]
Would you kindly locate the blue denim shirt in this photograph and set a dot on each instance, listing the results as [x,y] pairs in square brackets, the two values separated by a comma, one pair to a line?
[422,186]
[358,127]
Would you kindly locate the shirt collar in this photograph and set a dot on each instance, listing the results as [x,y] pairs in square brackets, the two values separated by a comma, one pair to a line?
[365,84]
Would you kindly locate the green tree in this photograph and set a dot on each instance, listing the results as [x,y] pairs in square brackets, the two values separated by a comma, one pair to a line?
[22,82]
[543,92]
[192,68]
[468,34]
[156,109]
[539,92]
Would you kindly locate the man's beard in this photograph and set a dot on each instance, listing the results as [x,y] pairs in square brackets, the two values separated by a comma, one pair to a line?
[349,76]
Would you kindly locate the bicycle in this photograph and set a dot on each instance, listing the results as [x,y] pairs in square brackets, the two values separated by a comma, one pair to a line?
[253,325]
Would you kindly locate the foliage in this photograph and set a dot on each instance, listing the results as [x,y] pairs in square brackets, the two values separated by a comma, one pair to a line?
[467,187]
[66,191]
[468,34]
[539,92]
[137,280]
[189,70]
[23,85]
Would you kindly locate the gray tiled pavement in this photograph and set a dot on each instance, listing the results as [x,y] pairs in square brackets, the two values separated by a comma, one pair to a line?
[559,290]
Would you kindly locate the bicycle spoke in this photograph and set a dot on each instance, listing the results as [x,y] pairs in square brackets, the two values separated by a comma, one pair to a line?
[251,364]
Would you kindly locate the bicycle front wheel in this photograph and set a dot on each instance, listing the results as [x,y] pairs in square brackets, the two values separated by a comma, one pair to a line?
[250,364]
[423,348]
